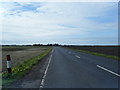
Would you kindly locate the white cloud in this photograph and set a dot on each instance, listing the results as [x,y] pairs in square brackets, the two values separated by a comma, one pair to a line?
[60,1]
[56,20]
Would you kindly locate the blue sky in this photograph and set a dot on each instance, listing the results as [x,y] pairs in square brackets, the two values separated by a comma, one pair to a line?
[76,23]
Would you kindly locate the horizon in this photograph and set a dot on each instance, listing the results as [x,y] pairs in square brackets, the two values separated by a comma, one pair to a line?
[55,43]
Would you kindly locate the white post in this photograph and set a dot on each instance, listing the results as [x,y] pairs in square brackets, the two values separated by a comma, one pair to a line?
[9,64]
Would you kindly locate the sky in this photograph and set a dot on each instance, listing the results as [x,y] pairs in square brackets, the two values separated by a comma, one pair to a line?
[73,23]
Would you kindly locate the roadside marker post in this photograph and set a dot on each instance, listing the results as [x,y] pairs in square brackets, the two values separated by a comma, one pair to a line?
[9,64]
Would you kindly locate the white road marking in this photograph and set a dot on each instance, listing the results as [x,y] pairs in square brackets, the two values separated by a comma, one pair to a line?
[108,70]
[77,56]
[43,79]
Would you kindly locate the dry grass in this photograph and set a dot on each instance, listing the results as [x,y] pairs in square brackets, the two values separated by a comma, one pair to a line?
[20,55]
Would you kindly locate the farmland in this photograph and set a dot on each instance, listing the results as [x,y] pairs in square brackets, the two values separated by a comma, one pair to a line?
[20,54]
[108,50]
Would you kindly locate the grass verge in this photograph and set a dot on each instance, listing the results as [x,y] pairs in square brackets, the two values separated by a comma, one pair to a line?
[98,54]
[0,80]
[21,69]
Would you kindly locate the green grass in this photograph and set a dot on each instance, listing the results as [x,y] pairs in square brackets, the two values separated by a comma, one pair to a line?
[0,79]
[21,69]
[99,54]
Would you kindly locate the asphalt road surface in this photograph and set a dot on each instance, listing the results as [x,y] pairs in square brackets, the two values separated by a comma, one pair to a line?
[73,69]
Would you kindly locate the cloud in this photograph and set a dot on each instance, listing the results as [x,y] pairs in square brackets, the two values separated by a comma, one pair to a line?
[58,22]
[60,1]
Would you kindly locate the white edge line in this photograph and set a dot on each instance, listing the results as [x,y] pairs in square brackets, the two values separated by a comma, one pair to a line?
[77,56]
[108,70]
[43,79]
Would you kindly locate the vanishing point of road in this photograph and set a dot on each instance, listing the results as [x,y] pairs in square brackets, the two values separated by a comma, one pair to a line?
[72,69]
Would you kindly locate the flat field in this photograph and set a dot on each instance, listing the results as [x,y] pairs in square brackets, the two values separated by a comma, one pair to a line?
[20,53]
[108,50]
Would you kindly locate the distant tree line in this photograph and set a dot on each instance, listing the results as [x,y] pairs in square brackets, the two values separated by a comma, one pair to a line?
[36,45]
[56,44]
[47,44]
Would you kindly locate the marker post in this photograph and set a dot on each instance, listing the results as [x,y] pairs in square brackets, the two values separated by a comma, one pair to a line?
[9,64]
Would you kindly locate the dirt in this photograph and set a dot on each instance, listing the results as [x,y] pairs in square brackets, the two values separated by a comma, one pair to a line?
[33,78]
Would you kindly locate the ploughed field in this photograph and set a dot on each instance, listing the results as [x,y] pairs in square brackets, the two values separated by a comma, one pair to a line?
[108,50]
[20,53]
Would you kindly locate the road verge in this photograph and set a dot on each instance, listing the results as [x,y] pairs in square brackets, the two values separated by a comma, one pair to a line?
[22,69]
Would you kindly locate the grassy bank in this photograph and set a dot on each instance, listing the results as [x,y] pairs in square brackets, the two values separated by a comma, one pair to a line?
[21,69]
[98,54]
[0,79]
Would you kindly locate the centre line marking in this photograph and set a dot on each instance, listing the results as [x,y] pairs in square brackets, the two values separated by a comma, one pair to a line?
[108,70]
[77,56]
[43,79]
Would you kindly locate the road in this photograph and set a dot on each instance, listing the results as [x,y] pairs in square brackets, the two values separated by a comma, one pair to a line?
[73,69]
